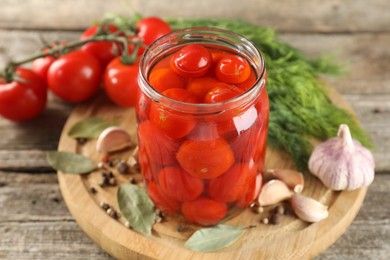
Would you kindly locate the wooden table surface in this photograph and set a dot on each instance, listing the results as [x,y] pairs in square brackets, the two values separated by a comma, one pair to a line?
[34,220]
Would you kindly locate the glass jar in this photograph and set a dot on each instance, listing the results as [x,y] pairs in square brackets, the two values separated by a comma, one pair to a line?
[203,161]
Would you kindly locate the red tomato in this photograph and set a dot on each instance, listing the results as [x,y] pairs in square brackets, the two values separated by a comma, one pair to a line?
[172,123]
[159,148]
[104,51]
[233,69]
[200,86]
[150,29]
[205,159]
[23,98]
[180,94]
[222,92]
[121,82]
[165,78]
[179,185]
[192,61]
[248,83]
[253,191]
[166,204]
[75,76]
[233,184]
[204,211]
[40,66]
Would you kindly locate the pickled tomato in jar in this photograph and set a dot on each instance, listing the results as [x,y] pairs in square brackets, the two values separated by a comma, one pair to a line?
[202,118]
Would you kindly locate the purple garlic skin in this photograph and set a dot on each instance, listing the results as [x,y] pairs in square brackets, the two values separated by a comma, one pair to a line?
[342,163]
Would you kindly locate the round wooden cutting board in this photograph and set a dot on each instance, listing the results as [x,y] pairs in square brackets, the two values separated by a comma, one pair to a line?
[291,239]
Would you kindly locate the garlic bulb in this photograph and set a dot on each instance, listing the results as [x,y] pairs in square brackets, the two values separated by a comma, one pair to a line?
[342,163]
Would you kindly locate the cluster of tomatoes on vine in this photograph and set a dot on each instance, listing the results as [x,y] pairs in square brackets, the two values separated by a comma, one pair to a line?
[104,56]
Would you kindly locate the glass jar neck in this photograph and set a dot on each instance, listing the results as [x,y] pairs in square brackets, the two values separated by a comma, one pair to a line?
[209,37]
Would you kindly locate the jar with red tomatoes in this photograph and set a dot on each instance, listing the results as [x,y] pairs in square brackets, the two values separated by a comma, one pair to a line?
[202,117]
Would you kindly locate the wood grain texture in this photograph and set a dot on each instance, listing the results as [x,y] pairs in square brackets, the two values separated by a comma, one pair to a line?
[284,15]
[57,236]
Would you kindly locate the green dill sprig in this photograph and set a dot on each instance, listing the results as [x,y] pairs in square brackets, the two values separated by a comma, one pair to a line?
[300,109]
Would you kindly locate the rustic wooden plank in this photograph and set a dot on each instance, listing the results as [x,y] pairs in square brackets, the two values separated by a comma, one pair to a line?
[366,56]
[47,230]
[47,240]
[292,16]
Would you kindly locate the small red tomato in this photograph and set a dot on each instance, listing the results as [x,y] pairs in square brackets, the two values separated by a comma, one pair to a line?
[167,205]
[253,192]
[103,51]
[205,159]
[233,184]
[192,61]
[165,78]
[159,148]
[181,94]
[233,69]
[204,211]
[222,92]
[41,65]
[74,77]
[200,86]
[179,185]
[121,82]
[150,29]
[249,82]
[170,122]
[174,125]
[24,97]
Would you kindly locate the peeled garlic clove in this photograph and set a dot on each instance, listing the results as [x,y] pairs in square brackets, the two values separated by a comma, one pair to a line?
[342,163]
[291,178]
[113,139]
[274,191]
[308,209]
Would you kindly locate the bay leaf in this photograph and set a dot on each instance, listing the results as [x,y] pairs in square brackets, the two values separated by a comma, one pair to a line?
[90,128]
[136,207]
[214,238]
[70,162]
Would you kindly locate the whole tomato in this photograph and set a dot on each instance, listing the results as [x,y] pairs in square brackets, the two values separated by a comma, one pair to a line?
[121,82]
[179,185]
[172,123]
[205,159]
[41,65]
[151,28]
[24,97]
[75,76]
[233,184]
[104,51]
[233,69]
[159,148]
[192,61]
[167,205]
[204,211]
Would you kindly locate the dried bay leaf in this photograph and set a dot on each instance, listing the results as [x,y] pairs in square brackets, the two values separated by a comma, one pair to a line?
[136,207]
[90,128]
[70,162]
[214,238]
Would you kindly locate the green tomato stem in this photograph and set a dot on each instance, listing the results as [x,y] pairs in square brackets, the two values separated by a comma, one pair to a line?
[8,73]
